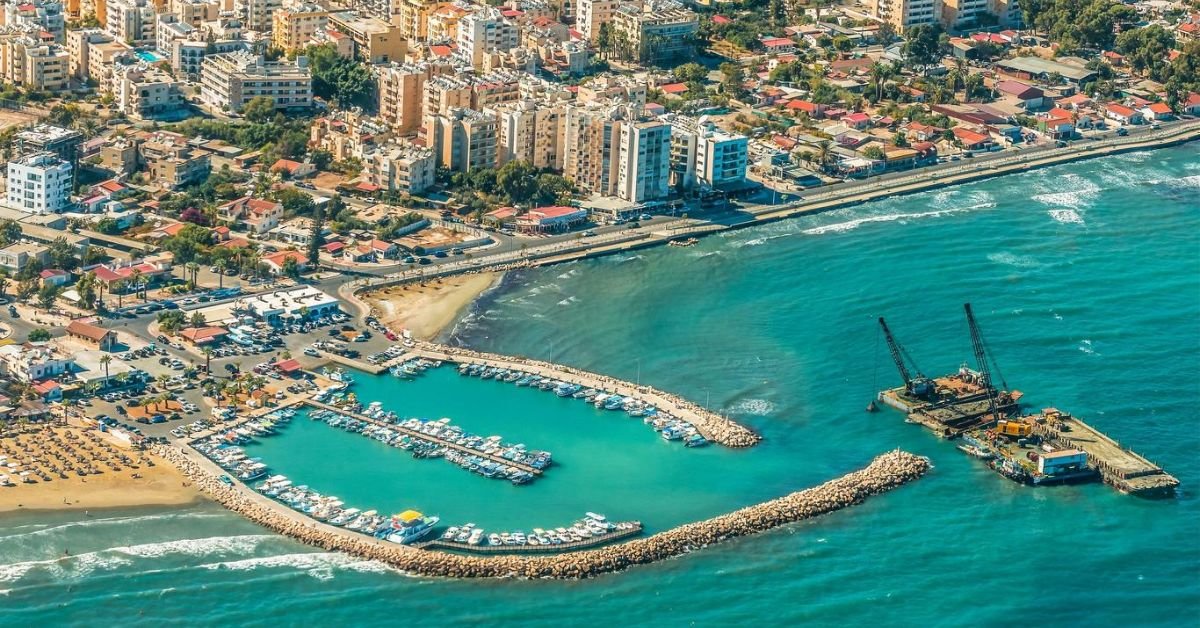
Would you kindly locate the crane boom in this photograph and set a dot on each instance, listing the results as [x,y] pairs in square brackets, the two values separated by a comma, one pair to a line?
[981,358]
[919,386]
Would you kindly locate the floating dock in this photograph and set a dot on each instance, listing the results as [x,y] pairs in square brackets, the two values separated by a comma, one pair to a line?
[425,437]
[1119,467]
[588,543]
[958,406]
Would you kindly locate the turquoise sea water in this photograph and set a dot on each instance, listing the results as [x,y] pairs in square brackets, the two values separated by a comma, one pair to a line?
[1086,280]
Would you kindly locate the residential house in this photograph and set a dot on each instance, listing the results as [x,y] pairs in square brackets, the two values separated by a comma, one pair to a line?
[1028,96]
[971,140]
[16,257]
[277,262]
[1158,111]
[1191,105]
[257,216]
[1123,114]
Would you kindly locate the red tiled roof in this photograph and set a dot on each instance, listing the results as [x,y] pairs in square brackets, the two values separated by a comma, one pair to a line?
[554,211]
[202,335]
[1120,110]
[87,330]
[1160,107]
[441,51]
[777,42]
[721,19]
[290,365]
[968,136]
[46,386]
[674,88]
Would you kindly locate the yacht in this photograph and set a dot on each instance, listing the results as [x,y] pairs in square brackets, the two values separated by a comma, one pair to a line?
[410,526]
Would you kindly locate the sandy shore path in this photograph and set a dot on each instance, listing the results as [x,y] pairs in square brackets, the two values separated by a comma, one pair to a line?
[425,310]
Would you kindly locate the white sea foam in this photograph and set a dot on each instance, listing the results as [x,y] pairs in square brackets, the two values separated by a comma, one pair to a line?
[1012,259]
[197,547]
[319,565]
[87,523]
[1066,216]
[1069,190]
[1086,347]
[755,407]
[628,258]
[850,225]
[569,300]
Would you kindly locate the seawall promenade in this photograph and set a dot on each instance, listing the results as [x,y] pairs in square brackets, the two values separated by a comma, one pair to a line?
[884,473]
[820,200]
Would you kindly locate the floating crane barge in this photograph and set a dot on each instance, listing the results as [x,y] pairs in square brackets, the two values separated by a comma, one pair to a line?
[1052,447]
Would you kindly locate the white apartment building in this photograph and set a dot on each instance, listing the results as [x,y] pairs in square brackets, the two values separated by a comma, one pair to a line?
[34,362]
[169,30]
[42,15]
[401,167]
[484,31]
[146,92]
[196,12]
[39,183]
[230,80]
[702,154]
[187,55]
[132,21]
[644,161]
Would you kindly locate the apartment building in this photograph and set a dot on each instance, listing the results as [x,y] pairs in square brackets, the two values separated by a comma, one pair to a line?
[230,80]
[256,14]
[375,41]
[196,12]
[146,92]
[705,156]
[462,139]
[347,134]
[33,64]
[657,30]
[532,131]
[39,183]
[293,28]
[905,14]
[132,21]
[39,15]
[401,167]
[400,94]
[168,30]
[412,16]
[170,161]
[590,131]
[61,141]
[187,55]
[961,14]
[606,87]
[644,159]
[590,15]
[482,31]
[443,19]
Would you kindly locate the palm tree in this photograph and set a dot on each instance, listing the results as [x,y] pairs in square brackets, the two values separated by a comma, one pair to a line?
[192,269]
[880,73]
[136,277]
[4,282]
[207,359]
[824,152]
[220,266]
[105,360]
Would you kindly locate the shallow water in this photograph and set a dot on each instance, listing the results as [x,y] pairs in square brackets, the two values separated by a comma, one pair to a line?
[1086,281]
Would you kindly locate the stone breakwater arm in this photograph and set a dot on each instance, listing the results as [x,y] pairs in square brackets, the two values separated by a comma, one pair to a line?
[712,426]
[885,472]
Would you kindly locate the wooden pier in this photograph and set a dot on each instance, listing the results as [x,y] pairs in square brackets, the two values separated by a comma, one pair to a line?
[588,543]
[426,437]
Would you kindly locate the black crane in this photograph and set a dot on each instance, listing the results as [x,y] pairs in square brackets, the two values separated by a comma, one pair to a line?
[920,386]
[984,360]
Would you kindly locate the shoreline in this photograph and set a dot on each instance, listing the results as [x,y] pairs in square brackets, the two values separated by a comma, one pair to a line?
[429,308]
[847,195]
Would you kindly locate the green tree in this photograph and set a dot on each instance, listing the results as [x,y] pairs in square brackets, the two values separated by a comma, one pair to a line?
[171,321]
[343,81]
[315,237]
[10,232]
[259,110]
[291,268]
[922,45]
[874,152]
[47,295]
[518,180]
[38,335]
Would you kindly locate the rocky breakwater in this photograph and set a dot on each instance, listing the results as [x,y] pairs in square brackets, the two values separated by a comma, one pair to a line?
[714,427]
[885,472]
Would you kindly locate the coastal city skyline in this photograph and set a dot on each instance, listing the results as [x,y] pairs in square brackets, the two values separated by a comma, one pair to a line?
[356,309]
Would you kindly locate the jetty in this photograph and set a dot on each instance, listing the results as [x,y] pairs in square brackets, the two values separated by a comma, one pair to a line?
[425,437]
[1120,468]
[574,546]
[884,473]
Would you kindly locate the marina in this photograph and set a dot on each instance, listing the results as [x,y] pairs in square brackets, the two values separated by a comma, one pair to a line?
[591,531]
[1044,449]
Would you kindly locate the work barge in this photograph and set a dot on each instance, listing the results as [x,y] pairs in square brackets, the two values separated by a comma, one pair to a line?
[1050,447]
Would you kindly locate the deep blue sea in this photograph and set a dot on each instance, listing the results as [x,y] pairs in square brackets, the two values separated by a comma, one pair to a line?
[1085,279]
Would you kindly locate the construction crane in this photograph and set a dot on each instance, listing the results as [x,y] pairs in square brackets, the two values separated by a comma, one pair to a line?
[982,360]
[920,386]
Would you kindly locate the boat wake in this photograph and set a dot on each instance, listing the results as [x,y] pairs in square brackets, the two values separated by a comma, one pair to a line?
[1066,216]
[851,225]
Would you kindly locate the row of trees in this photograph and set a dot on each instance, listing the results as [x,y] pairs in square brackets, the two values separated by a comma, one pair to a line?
[515,183]
[1077,24]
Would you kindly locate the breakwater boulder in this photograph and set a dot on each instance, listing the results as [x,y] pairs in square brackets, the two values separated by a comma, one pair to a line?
[885,473]
[712,426]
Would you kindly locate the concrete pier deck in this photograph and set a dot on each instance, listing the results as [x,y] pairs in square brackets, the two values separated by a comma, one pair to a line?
[1119,467]
[426,437]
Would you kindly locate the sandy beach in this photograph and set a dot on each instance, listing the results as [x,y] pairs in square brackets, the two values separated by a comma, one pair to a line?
[426,309]
[142,480]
